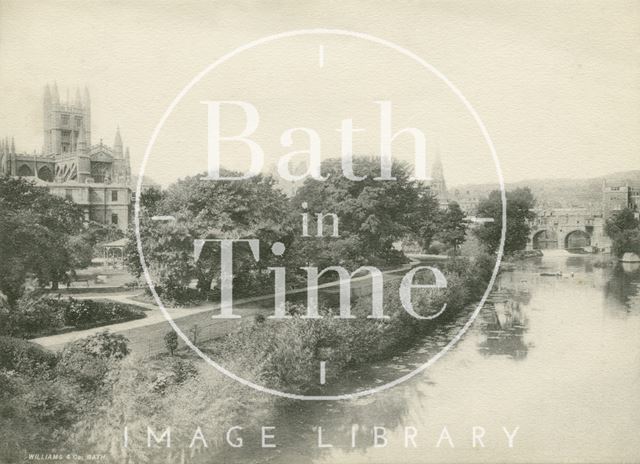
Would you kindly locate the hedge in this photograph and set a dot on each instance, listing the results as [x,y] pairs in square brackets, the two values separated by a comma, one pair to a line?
[24,356]
[36,317]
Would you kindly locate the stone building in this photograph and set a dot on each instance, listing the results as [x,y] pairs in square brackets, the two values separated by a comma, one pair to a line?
[582,227]
[467,200]
[97,177]
[615,198]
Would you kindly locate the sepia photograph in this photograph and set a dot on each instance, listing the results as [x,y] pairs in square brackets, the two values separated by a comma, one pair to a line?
[359,232]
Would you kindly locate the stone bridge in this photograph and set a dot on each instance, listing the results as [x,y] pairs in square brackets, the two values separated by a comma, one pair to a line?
[567,229]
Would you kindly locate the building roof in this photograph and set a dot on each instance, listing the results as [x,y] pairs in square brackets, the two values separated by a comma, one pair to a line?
[116,243]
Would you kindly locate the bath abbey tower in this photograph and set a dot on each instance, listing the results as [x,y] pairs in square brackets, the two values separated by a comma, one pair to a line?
[95,176]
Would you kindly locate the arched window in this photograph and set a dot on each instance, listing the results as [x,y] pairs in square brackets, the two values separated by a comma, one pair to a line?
[45,173]
[25,170]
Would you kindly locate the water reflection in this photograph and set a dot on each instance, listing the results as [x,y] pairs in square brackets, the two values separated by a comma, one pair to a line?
[306,432]
[623,286]
[504,325]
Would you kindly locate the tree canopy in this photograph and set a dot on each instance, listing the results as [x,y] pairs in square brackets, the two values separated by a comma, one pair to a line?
[40,236]
[520,203]
[371,217]
[204,209]
[624,230]
[453,227]
[372,214]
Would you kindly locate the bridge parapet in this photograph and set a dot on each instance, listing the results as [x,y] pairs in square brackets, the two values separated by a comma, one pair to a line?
[567,228]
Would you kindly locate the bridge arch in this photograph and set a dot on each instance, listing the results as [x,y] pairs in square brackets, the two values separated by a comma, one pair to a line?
[577,239]
[545,239]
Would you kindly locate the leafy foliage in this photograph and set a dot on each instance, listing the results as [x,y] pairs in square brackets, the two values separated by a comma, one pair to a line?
[624,230]
[627,241]
[210,210]
[520,203]
[373,214]
[453,227]
[43,396]
[39,236]
[37,316]
[21,355]
[171,341]
[87,361]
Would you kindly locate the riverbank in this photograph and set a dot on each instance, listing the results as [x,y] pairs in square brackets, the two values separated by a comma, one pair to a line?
[289,351]
[282,354]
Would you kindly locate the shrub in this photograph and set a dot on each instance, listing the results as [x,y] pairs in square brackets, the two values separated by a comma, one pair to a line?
[171,341]
[34,316]
[45,316]
[176,373]
[436,248]
[87,361]
[25,357]
[52,403]
[86,313]
[177,296]
[104,344]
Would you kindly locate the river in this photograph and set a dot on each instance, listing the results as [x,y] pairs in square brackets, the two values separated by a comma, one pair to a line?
[557,357]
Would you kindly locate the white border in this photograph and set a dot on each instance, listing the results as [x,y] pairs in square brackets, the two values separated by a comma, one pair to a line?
[272,38]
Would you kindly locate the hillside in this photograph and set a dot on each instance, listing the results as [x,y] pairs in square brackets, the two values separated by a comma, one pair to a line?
[560,193]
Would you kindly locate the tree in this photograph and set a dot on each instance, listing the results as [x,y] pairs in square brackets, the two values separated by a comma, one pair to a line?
[203,209]
[168,253]
[453,227]
[627,241]
[171,341]
[624,230]
[96,233]
[372,214]
[151,199]
[620,221]
[39,236]
[426,218]
[520,203]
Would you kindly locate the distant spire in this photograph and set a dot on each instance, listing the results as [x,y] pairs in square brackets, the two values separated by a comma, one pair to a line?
[78,102]
[118,140]
[126,154]
[117,144]
[47,94]
[55,97]
[13,146]
[437,175]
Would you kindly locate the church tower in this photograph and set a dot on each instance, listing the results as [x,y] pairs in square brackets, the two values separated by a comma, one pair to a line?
[62,122]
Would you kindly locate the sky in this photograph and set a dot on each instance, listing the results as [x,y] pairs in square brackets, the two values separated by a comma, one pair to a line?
[557,84]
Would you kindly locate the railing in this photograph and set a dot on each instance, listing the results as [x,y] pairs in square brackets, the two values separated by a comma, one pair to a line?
[198,332]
